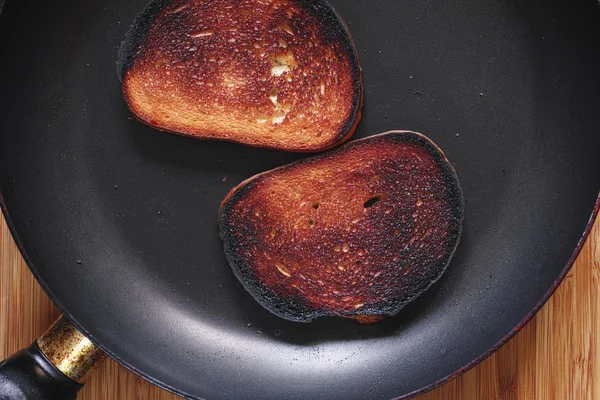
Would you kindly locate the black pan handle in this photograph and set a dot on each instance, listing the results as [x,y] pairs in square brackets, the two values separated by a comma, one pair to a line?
[54,367]
[29,375]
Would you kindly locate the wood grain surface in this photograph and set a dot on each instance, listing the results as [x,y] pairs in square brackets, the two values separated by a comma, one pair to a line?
[556,356]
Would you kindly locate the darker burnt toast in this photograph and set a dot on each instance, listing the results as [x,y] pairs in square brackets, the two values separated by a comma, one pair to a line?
[358,232]
[283,74]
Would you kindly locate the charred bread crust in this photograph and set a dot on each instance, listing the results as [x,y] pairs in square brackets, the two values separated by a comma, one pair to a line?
[322,9]
[136,34]
[290,308]
[235,231]
[334,30]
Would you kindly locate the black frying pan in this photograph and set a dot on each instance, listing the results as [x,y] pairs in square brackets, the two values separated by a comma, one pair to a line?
[118,221]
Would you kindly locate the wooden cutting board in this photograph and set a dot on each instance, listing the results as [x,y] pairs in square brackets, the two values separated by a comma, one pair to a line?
[556,355]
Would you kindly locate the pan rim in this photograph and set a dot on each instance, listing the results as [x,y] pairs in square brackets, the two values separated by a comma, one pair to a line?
[407,396]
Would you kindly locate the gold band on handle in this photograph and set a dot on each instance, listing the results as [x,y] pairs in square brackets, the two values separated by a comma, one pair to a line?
[70,351]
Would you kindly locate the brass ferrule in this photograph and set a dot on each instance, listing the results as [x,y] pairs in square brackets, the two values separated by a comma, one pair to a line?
[70,351]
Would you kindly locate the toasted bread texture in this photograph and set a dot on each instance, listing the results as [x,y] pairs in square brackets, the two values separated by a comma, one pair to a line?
[358,232]
[283,74]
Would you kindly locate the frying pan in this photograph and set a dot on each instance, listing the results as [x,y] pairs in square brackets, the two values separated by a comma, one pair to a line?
[118,221]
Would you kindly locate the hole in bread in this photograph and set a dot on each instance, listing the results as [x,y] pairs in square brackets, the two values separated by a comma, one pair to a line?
[282,63]
[273,93]
[311,222]
[374,199]
[316,205]
[279,117]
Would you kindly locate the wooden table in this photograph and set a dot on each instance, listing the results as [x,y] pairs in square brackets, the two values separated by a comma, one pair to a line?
[556,356]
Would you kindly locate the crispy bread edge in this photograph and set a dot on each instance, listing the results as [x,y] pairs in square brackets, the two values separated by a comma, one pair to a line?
[135,34]
[327,12]
[286,308]
[293,309]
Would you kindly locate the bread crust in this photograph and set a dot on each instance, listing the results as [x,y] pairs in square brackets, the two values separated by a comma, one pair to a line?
[202,69]
[358,232]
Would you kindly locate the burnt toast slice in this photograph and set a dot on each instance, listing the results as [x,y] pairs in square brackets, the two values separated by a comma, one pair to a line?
[358,232]
[282,74]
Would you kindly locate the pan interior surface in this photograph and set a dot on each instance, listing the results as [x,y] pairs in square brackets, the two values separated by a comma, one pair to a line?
[118,221]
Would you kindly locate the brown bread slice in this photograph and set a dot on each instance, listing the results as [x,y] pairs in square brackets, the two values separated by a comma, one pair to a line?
[358,232]
[283,74]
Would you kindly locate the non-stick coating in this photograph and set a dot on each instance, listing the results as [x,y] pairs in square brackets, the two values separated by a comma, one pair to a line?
[118,221]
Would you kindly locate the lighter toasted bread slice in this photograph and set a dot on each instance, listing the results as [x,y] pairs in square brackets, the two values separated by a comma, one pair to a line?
[283,74]
[358,232]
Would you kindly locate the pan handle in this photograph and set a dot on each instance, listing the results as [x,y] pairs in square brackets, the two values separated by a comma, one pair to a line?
[54,367]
